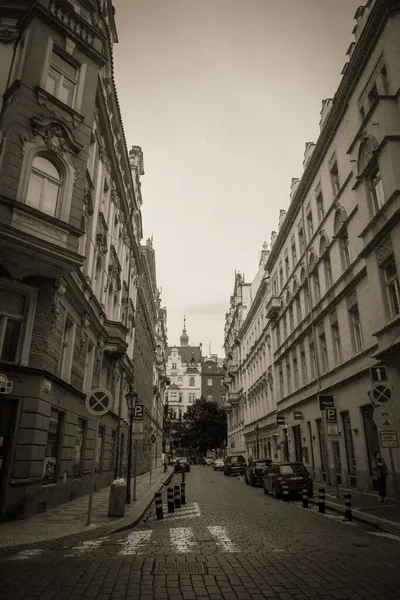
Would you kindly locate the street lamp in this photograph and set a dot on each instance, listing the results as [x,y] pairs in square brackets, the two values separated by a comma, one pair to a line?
[257,427]
[131,397]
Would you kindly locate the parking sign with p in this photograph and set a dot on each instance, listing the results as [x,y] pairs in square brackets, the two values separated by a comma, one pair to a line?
[138,412]
[331,415]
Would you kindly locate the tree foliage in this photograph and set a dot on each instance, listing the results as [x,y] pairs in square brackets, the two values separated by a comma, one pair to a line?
[204,426]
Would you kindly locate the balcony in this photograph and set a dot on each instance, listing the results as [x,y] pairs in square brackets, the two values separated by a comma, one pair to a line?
[116,338]
[233,369]
[227,380]
[234,399]
[272,308]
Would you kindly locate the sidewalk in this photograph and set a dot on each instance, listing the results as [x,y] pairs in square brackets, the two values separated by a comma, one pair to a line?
[70,518]
[365,507]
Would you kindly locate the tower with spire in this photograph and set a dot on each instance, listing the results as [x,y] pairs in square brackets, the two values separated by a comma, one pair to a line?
[184,339]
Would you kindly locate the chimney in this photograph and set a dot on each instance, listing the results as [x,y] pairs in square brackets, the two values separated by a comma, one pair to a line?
[282,215]
[325,110]
[274,235]
[309,149]
[293,187]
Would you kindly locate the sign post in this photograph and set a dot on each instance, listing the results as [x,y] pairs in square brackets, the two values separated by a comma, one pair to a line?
[330,424]
[152,441]
[137,428]
[98,403]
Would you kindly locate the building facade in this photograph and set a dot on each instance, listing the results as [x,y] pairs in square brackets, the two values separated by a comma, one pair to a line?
[332,296]
[70,257]
[212,379]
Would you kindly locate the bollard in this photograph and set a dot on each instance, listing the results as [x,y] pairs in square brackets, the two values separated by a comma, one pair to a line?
[170,498]
[183,476]
[285,492]
[177,496]
[321,501]
[347,513]
[159,508]
[183,497]
[305,496]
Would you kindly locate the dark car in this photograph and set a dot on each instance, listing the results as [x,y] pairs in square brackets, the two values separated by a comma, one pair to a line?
[256,469]
[294,474]
[235,464]
[182,465]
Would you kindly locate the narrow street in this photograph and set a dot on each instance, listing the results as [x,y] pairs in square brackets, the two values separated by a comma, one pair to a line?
[229,541]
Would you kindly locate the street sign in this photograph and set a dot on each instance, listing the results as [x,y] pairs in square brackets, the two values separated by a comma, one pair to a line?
[381,393]
[383,417]
[389,439]
[137,430]
[325,402]
[138,412]
[378,373]
[332,429]
[331,415]
[280,420]
[297,415]
[99,401]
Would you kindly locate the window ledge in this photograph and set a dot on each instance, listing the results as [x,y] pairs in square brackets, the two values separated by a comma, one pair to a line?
[378,219]
[392,323]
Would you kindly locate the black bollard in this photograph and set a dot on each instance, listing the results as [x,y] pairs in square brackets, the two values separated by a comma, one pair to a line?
[170,498]
[177,496]
[183,476]
[183,496]
[305,496]
[159,508]
[321,501]
[285,492]
[347,513]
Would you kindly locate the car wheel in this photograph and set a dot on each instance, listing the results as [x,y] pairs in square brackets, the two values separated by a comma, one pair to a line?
[275,493]
[252,482]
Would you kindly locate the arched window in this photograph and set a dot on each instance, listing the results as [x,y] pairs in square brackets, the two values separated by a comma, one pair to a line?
[44,185]
[302,275]
[191,381]
[344,248]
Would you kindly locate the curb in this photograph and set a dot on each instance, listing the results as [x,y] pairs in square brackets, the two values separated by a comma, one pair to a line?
[137,514]
[377,522]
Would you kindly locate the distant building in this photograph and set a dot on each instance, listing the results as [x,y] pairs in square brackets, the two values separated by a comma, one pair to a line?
[184,374]
[212,378]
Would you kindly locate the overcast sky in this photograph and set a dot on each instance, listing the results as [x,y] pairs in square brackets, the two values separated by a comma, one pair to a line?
[222,96]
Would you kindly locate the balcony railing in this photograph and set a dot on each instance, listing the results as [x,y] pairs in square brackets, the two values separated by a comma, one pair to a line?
[272,308]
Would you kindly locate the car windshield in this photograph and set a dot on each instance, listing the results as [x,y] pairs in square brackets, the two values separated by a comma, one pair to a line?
[293,468]
[237,459]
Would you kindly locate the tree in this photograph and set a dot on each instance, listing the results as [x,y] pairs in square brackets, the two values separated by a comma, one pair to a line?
[204,426]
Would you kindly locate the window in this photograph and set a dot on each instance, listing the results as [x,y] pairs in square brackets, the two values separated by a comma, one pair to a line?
[376,189]
[310,225]
[372,95]
[287,268]
[209,382]
[288,375]
[44,186]
[209,397]
[77,458]
[328,271]
[294,253]
[291,317]
[295,372]
[281,377]
[281,276]
[392,286]
[301,240]
[192,397]
[320,205]
[298,308]
[67,347]
[12,316]
[344,249]
[191,381]
[313,363]
[284,327]
[278,334]
[356,329]
[99,450]
[62,78]
[50,466]
[337,350]
[89,364]
[173,366]
[307,298]
[113,458]
[323,350]
[384,80]
[335,182]
[303,362]
[317,289]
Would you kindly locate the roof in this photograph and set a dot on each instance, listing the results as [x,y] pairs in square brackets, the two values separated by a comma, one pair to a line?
[174,387]
[187,352]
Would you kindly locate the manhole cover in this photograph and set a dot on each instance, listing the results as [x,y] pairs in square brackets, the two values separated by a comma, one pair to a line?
[179,568]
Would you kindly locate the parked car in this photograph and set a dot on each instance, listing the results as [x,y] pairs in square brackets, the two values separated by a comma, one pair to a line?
[181,464]
[209,461]
[255,471]
[235,464]
[293,473]
[219,464]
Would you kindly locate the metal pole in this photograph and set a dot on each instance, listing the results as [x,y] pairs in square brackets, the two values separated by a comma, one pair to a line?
[396,487]
[134,472]
[129,466]
[89,515]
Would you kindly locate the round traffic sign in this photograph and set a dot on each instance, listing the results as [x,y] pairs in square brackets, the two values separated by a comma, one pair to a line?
[99,402]
[153,438]
[383,417]
[381,393]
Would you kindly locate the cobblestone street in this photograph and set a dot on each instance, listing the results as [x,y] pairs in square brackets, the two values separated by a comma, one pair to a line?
[228,541]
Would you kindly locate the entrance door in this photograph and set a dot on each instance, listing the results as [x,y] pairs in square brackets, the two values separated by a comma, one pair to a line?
[351,455]
[371,434]
[322,448]
[297,443]
[7,424]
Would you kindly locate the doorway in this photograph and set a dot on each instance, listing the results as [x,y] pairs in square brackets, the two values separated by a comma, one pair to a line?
[8,411]
[297,443]
[351,455]
[371,435]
